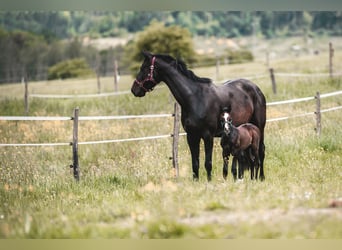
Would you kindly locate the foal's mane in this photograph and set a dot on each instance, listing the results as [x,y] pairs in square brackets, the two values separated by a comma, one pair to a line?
[183,69]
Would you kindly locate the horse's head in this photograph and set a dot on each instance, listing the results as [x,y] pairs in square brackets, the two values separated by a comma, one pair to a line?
[146,79]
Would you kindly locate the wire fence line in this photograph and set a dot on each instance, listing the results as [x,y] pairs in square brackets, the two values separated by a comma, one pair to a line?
[80,95]
[123,117]
[304,99]
[81,118]
[251,77]
[307,75]
[146,137]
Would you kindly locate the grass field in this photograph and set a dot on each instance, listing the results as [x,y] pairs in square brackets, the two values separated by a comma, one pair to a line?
[128,190]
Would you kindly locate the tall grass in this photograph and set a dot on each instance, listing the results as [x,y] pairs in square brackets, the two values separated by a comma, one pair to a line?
[128,190]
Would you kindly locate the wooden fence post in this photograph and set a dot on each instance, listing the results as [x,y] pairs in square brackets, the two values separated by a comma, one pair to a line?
[75,165]
[318,114]
[98,72]
[217,68]
[331,55]
[274,84]
[175,141]
[26,95]
[115,75]
[267,59]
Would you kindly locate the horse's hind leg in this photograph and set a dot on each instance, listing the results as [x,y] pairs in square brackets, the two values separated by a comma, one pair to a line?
[261,159]
[251,162]
[256,161]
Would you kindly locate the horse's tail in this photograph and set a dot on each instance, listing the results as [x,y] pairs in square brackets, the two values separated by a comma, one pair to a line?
[259,117]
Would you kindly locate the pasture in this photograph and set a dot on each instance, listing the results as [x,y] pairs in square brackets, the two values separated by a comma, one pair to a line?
[128,189]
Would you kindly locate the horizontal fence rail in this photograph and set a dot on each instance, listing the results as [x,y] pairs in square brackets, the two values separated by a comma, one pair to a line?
[34,118]
[306,75]
[81,118]
[80,95]
[123,117]
[304,99]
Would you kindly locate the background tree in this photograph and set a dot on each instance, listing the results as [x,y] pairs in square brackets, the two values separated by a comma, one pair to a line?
[173,40]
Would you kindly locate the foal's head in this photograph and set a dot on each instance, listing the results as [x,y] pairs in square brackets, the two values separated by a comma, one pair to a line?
[226,121]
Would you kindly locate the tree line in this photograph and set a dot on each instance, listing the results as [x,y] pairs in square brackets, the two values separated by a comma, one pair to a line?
[66,24]
[24,54]
[33,42]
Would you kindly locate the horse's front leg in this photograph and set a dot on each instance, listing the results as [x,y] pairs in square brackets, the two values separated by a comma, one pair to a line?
[208,147]
[194,145]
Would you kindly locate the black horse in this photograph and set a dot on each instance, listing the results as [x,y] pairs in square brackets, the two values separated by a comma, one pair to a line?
[201,103]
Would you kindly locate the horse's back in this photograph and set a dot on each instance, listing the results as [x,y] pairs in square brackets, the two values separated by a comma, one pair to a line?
[245,85]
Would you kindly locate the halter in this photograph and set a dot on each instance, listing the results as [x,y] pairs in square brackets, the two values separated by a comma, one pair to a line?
[148,78]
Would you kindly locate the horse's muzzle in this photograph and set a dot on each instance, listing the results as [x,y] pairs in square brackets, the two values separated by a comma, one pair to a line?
[137,91]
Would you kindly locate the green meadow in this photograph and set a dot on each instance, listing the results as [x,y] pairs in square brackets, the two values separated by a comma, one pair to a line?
[128,189]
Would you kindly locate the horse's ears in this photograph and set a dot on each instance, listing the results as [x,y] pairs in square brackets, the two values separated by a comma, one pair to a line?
[227,109]
[146,54]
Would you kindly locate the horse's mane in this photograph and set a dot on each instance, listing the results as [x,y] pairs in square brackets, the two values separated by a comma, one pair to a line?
[183,69]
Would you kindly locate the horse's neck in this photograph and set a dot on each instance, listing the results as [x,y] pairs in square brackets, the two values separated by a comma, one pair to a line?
[182,88]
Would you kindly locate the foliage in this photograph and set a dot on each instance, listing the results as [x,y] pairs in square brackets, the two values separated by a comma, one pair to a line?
[239,56]
[22,53]
[28,54]
[229,56]
[157,38]
[62,24]
[72,68]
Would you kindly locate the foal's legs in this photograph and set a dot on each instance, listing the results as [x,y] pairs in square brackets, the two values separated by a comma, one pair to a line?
[194,144]
[255,161]
[225,156]
[243,164]
[234,170]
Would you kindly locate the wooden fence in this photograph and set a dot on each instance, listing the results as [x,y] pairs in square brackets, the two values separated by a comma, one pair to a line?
[176,128]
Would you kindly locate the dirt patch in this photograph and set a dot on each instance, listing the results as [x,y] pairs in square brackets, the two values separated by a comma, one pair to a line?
[252,217]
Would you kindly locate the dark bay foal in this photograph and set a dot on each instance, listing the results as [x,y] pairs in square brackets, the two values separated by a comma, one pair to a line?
[243,143]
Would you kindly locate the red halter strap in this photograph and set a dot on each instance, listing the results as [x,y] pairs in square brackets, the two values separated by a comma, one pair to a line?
[148,78]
